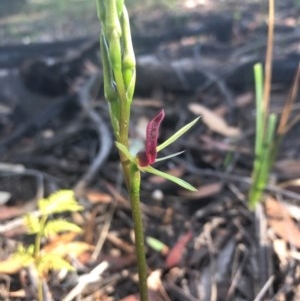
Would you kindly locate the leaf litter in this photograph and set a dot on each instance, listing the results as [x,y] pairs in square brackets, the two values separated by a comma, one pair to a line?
[215,249]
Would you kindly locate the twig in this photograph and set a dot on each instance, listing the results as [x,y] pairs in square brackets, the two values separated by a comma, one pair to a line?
[263,247]
[211,250]
[237,275]
[84,280]
[104,231]
[265,288]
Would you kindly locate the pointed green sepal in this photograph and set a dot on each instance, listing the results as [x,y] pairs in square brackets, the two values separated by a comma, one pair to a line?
[169,177]
[177,135]
[122,148]
[169,157]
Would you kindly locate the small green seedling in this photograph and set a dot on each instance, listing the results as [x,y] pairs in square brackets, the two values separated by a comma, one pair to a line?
[268,135]
[42,227]
[264,142]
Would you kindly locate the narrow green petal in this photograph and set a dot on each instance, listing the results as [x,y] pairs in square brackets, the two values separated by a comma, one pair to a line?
[168,157]
[121,147]
[177,135]
[169,177]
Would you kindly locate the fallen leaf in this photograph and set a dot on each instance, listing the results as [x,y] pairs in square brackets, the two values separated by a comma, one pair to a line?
[118,263]
[176,253]
[75,248]
[244,99]
[295,255]
[294,211]
[18,294]
[156,289]
[288,167]
[7,212]
[213,121]
[96,197]
[131,298]
[280,248]
[204,191]
[63,238]
[281,223]
[209,143]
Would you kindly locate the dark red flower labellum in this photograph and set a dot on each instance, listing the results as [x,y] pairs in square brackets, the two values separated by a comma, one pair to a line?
[148,156]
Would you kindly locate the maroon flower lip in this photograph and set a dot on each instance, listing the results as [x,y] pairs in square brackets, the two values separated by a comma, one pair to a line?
[148,156]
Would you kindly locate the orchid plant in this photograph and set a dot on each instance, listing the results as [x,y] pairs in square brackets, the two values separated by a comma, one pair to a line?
[144,159]
[119,74]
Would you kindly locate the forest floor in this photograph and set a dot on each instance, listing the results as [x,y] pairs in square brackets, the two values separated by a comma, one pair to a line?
[55,134]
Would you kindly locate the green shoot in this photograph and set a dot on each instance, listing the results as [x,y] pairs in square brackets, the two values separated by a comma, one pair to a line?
[264,142]
[265,123]
[268,137]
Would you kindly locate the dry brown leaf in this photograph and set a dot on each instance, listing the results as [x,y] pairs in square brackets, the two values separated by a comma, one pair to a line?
[18,294]
[288,167]
[156,289]
[176,253]
[204,191]
[282,224]
[15,211]
[214,121]
[280,248]
[96,197]
[210,143]
[294,211]
[130,298]
[75,248]
[7,212]
[63,238]
[244,99]
[295,255]
[291,185]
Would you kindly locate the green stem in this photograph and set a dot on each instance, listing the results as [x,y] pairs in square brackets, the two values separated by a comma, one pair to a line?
[37,255]
[118,63]
[134,191]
